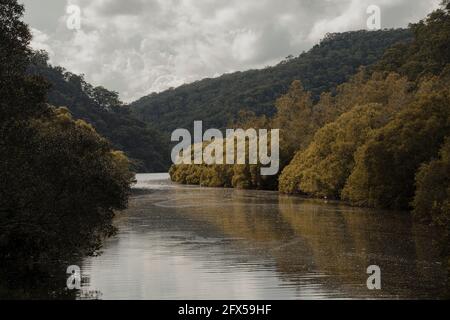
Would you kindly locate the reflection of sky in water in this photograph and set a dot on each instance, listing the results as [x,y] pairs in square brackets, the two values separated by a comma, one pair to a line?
[152,181]
[184,242]
[161,270]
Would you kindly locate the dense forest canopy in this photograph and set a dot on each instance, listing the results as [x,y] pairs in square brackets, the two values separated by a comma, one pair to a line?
[218,101]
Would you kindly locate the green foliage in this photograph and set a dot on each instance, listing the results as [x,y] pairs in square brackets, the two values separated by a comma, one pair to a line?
[218,101]
[432,198]
[235,176]
[295,119]
[322,168]
[366,141]
[386,165]
[14,58]
[145,146]
[60,186]
[299,118]
[14,39]
[428,54]
[371,157]
[60,182]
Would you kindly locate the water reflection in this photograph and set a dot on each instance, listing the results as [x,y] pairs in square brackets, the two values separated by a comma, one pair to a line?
[181,242]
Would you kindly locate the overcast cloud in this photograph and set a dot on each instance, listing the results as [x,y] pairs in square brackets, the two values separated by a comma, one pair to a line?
[141,46]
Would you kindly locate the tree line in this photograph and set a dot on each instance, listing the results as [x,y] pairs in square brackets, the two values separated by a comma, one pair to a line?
[380,140]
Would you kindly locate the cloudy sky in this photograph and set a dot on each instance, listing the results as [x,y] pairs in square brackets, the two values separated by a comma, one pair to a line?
[141,46]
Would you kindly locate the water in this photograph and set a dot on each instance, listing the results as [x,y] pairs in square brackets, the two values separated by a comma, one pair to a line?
[186,242]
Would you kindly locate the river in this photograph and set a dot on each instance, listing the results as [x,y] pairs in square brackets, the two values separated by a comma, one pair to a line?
[187,242]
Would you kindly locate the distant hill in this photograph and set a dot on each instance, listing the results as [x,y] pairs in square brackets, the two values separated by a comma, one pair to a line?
[218,101]
[142,143]
[141,129]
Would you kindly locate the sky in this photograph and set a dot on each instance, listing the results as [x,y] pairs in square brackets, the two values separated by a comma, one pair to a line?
[137,47]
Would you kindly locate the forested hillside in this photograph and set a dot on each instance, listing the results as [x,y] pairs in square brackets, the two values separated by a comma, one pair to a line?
[146,147]
[218,101]
[382,140]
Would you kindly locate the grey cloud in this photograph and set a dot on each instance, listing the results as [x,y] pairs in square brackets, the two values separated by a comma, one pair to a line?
[140,46]
[129,7]
[44,17]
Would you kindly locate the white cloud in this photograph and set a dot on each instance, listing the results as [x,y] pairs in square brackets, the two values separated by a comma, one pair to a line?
[41,41]
[140,46]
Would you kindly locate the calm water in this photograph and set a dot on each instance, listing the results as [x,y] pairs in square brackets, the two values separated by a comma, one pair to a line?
[182,242]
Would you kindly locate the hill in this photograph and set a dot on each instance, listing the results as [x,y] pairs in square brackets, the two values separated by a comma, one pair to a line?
[218,101]
[143,144]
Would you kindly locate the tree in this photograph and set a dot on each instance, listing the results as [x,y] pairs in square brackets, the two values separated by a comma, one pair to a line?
[432,198]
[346,120]
[429,53]
[323,168]
[218,101]
[386,165]
[14,59]
[294,118]
[106,99]
[60,182]
[145,146]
